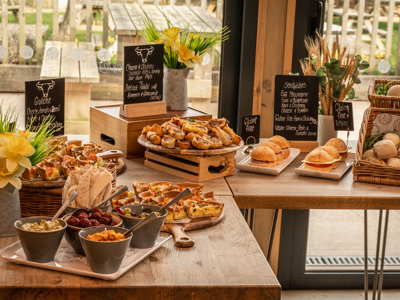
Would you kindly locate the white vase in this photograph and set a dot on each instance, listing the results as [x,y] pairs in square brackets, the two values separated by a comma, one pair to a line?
[10,210]
[175,88]
[326,129]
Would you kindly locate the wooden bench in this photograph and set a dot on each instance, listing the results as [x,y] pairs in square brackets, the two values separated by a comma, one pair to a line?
[13,8]
[79,76]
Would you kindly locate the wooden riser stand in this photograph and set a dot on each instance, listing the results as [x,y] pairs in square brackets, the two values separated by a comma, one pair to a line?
[192,167]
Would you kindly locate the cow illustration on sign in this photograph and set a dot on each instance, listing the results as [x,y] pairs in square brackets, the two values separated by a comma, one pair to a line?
[144,53]
[45,87]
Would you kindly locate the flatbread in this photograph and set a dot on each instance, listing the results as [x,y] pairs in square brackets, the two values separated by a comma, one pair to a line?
[107,191]
[103,179]
[83,189]
[99,198]
[70,191]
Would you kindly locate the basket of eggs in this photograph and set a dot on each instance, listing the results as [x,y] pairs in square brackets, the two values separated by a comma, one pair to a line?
[384,94]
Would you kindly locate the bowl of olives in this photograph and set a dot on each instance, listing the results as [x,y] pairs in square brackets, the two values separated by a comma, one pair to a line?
[146,236]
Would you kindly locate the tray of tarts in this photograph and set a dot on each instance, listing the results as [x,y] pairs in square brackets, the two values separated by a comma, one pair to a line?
[196,211]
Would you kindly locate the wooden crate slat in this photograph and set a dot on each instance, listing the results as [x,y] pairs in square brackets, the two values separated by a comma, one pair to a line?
[172,162]
[51,67]
[168,170]
[88,65]
[121,19]
[69,66]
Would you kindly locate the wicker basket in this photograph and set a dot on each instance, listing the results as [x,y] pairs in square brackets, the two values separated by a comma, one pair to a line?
[381,101]
[40,201]
[364,171]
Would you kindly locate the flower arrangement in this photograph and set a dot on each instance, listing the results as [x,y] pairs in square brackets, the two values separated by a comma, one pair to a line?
[182,49]
[336,69]
[21,149]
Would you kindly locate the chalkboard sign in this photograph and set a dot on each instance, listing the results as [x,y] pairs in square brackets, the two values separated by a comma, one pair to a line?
[343,116]
[296,107]
[143,73]
[251,130]
[45,98]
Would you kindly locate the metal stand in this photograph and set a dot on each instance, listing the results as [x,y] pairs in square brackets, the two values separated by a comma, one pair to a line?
[366,254]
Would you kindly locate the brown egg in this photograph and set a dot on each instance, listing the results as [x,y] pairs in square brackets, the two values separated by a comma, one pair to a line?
[394,91]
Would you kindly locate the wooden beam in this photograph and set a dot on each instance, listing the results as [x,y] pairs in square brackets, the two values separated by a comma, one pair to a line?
[289,35]
[259,61]
[345,19]
[4,24]
[220,7]
[22,38]
[55,20]
[105,24]
[389,35]
[374,37]
[39,44]
[329,21]
[89,21]
[72,23]
[360,24]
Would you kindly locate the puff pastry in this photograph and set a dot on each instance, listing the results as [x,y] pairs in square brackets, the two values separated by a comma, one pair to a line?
[200,143]
[168,141]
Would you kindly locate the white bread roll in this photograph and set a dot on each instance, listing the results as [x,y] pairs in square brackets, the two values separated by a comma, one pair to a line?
[385,149]
[394,162]
[392,137]
[369,153]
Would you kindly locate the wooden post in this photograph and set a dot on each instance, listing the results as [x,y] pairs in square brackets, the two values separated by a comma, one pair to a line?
[260,53]
[188,2]
[38,30]
[55,20]
[360,24]
[220,8]
[105,24]
[374,36]
[329,21]
[4,24]
[89,21]
[389,35]
[72,13]
[172,2]
[345,18]
[156,2]
[398,55]
[204,4]
[21,39]
[289,35]
[140,2]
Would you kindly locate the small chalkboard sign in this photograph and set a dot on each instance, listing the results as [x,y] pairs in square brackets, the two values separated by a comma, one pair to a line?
[343,116]
[45,98]
[296,107]
[251,130]
[143,73]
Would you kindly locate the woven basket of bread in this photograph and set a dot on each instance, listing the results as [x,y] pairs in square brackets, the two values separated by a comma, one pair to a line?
[40,201]
[369,172]
[382,101]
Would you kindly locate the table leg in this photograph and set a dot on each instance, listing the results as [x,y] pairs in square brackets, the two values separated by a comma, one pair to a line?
[271,240]
[252,219]
[383,254]
[378,241]
[366,254]
[246,218]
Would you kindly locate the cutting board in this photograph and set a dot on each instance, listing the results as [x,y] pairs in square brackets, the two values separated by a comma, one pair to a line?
[178,230]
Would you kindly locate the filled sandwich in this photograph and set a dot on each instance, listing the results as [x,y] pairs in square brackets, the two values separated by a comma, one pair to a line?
[283,143]
[263,157]
[319,160]
[333,153]
[274,147]
[340,146]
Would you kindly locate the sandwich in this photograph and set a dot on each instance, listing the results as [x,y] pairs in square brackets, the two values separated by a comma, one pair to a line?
[274,147]
[333,153]
[283,143]
[340,146]
[263,157]
[318,160]
[385,149]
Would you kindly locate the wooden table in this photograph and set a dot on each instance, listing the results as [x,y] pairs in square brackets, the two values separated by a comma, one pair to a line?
[225,263]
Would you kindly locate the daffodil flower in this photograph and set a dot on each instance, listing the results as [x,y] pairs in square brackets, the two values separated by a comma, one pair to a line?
[10,177]
[26,134]
[171,33]
[197,59]
[16,151]
[185,54]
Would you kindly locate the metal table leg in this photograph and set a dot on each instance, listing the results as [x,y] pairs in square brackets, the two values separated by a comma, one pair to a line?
[378,242]
[383,254]
[366,254]
[271,240]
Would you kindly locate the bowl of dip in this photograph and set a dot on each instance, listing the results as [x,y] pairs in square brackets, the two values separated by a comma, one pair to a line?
[39,237]
[105,247]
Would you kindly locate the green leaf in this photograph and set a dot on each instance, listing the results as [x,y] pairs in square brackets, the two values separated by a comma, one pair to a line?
[351,94]
[356,80]
[364,65]
[358,57]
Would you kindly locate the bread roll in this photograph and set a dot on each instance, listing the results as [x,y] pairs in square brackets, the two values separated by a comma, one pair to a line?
[340,146]
[392,137]
[274,147]
[385,149]
[318,160]
[369,153]
[263,157]
[283,143]
[375,160]
[394,162]
[332,152]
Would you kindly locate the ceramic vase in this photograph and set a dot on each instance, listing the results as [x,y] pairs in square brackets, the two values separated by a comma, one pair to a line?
[175,88]
[326,129]
[10,210]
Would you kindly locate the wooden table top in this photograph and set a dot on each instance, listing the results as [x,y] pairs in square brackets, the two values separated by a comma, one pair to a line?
[225,263]
[291,191]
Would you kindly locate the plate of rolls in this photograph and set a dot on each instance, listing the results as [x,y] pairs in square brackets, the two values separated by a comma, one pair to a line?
[269,157]
[330,161]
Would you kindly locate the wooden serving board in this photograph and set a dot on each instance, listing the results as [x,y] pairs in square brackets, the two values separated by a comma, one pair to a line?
[120,166]
[191,151]
[178,230]
[38,182]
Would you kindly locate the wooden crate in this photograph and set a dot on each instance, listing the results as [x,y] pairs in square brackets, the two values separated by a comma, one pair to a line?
[113,132]
[192,167]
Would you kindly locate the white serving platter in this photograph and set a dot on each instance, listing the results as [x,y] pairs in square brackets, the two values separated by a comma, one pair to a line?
[336,173]
[243,165]
[68,261]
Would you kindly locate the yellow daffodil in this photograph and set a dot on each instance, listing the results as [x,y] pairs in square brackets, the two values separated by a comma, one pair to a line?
[197,59]
[195,36]
[26,134]
[171,33]
[158,41]
[16,151]
[10,177]
[172,46]
[185,54]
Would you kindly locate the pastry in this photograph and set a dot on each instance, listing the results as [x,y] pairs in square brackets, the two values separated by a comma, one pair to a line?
[235,138]
[168,142]
[200,143]
[184,144]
